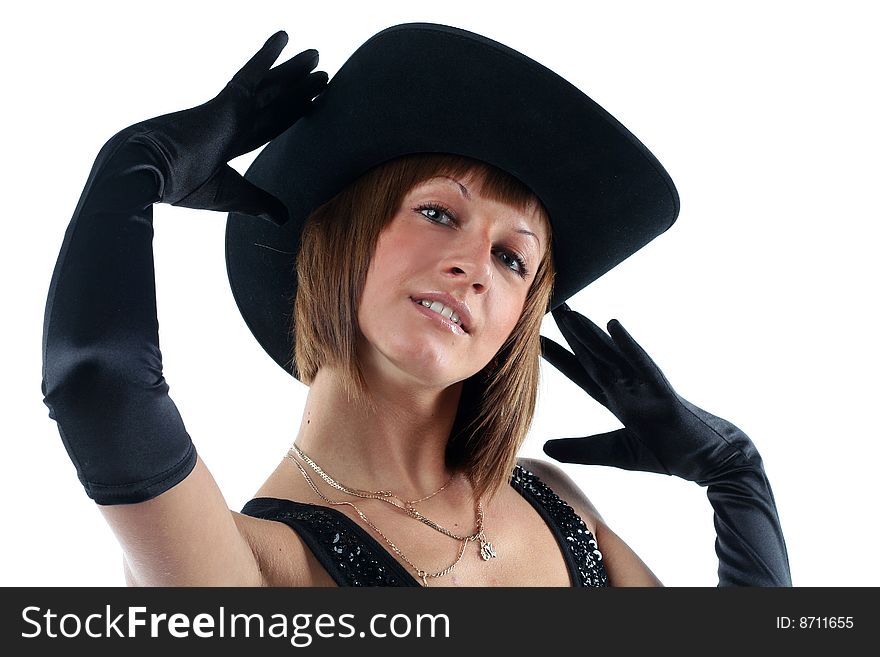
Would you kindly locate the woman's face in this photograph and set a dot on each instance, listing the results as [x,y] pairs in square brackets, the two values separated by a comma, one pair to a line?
[452,248]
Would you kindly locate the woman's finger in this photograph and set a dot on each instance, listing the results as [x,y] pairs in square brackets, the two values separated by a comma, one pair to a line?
[619,448]
[253,71]
[583,336]
[637,357]
[229,191]
[289,72]
[572,367]
[566,311]
[273,119]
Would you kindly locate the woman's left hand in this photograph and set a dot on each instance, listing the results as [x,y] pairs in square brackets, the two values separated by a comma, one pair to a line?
[667,434]
[662,432]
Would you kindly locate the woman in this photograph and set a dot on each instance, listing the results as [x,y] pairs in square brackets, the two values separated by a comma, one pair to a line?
[439,195]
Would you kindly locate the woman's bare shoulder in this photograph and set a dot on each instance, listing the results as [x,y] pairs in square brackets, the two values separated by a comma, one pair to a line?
[623,565]
[188,536]
[568,491]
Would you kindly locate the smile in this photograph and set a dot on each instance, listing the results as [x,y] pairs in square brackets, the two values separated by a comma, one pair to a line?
[440,313]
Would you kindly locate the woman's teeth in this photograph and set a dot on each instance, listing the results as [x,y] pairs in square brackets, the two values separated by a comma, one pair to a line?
[439,308]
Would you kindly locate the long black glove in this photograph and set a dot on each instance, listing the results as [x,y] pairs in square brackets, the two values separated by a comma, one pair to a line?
[102,368]
[666,434]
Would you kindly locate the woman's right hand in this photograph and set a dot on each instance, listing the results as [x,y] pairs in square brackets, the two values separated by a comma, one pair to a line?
[192,147]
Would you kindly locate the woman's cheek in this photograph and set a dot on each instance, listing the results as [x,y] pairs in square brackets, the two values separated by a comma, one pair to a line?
[507,322]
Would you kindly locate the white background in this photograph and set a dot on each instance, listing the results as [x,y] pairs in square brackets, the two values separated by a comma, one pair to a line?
[759,303]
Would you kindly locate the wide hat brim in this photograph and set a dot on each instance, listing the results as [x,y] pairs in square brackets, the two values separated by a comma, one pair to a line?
[425,88]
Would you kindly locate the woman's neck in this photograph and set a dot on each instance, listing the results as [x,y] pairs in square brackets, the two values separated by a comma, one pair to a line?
[401,448]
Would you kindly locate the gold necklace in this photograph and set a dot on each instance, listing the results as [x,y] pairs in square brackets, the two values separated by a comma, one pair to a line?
[357,491]
[485,546]
[422,574]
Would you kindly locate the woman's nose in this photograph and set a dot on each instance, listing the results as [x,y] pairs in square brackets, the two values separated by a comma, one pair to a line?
[473,264]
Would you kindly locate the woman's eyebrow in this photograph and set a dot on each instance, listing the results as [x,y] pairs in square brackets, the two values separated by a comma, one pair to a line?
[461,188]
[464,192]
[528,232]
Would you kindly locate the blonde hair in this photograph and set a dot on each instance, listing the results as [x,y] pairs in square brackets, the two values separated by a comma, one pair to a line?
[497,404]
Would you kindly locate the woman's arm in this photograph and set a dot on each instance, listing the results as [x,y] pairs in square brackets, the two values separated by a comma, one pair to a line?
[102,367]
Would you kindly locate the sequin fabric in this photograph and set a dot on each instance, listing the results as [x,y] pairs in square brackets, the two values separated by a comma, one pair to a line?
[578,543]
[354,558]
[347,552]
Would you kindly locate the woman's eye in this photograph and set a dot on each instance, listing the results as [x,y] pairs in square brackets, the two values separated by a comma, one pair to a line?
[515,263]
[436,214]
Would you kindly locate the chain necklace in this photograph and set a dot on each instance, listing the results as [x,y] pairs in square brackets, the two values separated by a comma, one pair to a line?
[422,574]
[407,506]
[357,491]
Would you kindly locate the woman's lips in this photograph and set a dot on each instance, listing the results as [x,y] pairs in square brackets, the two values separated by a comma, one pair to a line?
[445,323]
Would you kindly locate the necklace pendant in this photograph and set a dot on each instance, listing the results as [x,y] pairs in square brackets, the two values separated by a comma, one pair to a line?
[487,550]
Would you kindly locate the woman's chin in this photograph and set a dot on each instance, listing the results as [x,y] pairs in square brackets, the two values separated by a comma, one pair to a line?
[419,372]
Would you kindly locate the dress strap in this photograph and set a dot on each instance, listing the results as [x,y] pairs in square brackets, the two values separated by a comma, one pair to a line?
[348,553]
[579,547]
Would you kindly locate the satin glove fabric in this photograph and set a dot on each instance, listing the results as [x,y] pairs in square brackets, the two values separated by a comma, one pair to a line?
[102,367]
[665,433]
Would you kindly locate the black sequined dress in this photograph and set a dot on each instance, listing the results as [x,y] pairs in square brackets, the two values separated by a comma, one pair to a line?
[353,557]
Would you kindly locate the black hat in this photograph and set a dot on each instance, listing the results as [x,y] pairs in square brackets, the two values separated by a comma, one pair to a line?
[425,88]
